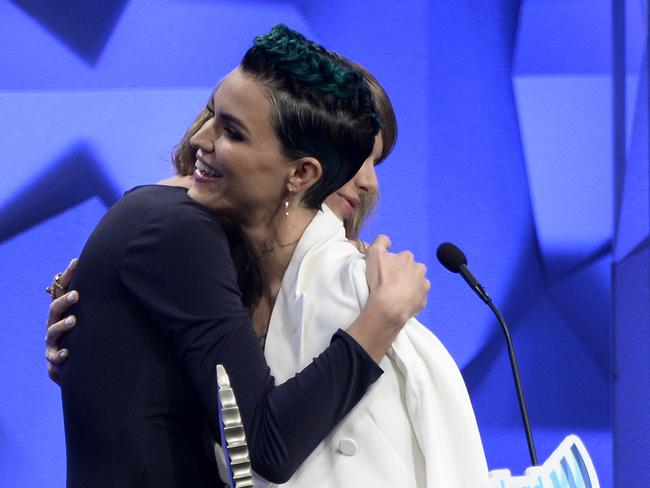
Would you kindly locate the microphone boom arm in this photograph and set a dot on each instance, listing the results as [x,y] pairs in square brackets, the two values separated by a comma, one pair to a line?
[515,374]
[452,258]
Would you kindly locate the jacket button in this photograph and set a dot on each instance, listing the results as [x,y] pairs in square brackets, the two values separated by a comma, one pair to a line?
[348,447]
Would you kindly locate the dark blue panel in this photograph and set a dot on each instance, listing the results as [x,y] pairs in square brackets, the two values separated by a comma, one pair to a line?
[154,44]
[564,391]
[76,177]
[562,383]
[632,369]
[83,26]
[583,297]
[634,217]
[564,37]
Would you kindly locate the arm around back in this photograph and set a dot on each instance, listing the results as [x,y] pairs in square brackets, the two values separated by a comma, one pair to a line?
[178,268]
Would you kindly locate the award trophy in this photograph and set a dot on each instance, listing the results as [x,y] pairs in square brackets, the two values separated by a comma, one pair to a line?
[233,438]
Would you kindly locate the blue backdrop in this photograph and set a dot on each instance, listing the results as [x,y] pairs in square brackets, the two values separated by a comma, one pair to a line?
[520,140]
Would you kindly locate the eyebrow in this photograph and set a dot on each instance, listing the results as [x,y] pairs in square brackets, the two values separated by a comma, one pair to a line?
[231,119]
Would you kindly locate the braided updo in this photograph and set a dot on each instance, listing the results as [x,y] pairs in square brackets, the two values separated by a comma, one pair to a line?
[321,107]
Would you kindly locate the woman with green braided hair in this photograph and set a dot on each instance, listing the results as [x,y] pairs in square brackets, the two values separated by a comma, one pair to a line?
[356,199]
[159,284]
[309,281]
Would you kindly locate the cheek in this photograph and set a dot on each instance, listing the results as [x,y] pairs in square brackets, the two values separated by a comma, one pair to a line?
[331,201]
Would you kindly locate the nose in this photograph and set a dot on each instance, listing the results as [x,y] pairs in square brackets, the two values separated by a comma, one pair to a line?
[366,179]
[202,138]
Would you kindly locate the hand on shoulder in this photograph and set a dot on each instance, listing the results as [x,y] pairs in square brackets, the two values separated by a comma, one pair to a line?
[396,281]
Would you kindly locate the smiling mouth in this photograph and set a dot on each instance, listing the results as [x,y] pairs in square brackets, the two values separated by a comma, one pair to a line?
[205,170]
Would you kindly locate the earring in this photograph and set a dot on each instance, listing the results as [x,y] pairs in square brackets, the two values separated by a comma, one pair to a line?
[286,202]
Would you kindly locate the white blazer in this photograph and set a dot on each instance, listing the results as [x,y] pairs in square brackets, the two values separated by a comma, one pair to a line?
[416,426]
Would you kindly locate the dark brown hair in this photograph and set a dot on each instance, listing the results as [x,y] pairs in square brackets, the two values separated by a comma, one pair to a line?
[184,155]
[321,107]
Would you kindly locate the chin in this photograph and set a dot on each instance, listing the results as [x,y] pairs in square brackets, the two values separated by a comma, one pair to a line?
[336,210]
[204,198]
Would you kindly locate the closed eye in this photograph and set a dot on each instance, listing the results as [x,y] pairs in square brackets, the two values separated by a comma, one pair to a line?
[232,134]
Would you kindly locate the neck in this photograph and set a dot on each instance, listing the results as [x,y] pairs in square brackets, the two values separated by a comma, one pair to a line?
[272,242]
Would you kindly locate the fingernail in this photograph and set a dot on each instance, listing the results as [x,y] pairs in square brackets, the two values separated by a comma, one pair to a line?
[69,320]
[63,354]
[72,297]
[73,263]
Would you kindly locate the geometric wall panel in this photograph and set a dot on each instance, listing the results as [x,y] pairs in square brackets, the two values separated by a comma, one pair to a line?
[565,123]
[584,300]
[32,447]
[559,377]
[631,270]
[634,217]
[563,37]
[81,25]
[74,178]
[562,82]
[97,119]
[632,366]
[130,133]
[561,384]
[153,43]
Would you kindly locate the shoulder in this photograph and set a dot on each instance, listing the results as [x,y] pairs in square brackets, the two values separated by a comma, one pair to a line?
[327,265]
[165,217]
[171,207]
[336,268]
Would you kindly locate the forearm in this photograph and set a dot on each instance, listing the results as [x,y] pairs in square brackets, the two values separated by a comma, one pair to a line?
[376,327]
[301,412]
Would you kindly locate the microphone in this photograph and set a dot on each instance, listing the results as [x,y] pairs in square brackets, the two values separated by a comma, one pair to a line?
[455,261]
[452,258]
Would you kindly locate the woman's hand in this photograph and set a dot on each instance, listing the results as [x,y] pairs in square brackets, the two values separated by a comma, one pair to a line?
[57,324]
[397,280]
[361,246]
[398,291]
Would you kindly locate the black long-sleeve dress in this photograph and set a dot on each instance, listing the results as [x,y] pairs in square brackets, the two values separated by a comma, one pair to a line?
[159,308]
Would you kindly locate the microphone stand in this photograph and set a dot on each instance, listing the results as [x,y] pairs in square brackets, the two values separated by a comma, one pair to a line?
[455,261]
[515,374]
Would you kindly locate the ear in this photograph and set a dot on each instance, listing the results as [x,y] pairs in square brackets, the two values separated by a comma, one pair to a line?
[305,173]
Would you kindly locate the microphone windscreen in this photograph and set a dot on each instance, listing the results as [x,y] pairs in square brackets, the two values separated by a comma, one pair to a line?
[451,257]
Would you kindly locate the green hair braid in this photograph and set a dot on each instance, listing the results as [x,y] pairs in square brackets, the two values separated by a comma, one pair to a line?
[306,61]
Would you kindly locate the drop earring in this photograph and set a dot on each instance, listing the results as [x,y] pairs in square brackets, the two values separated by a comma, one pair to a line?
[286,202]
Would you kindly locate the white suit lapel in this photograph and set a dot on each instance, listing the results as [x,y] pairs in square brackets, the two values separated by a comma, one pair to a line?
[285,341]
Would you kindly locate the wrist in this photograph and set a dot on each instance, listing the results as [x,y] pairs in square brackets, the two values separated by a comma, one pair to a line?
[375,329]
[385,307]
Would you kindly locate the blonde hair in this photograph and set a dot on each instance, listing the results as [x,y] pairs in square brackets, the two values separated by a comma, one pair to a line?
[365,208]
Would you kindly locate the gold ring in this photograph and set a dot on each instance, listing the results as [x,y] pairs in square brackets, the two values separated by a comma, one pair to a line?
[56,283]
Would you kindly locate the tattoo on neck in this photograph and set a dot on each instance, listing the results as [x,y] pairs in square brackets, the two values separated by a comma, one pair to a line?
[266,249]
